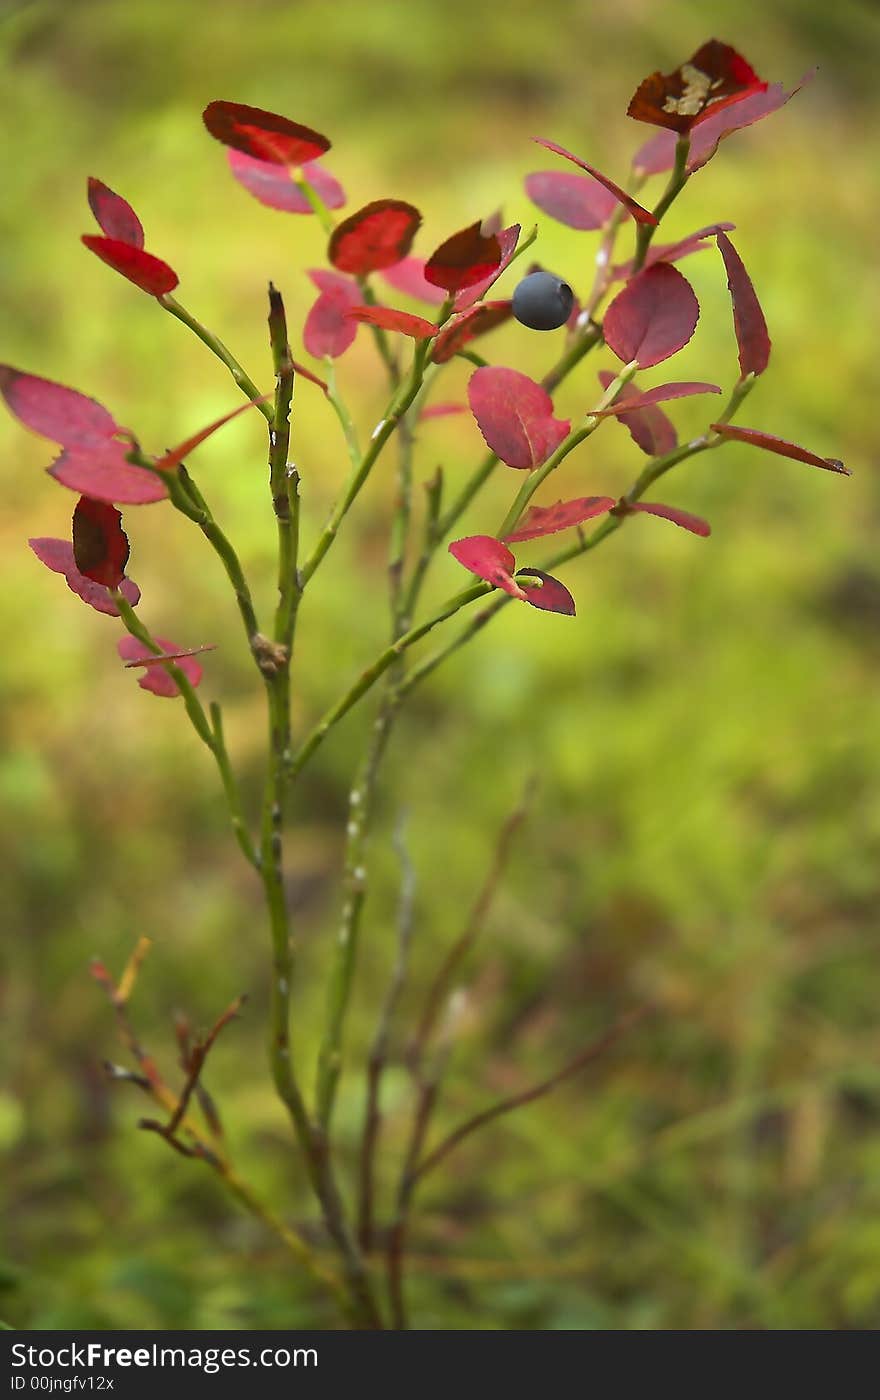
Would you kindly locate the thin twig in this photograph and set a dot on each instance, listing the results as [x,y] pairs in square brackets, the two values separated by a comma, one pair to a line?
[537,1091]
[441,985]
[378,1055]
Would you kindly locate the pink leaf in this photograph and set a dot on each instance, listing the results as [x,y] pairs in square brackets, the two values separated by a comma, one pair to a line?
[515,416]
[658,154]
[390,320]
[265,135]
[549,520]
[672,252]
[408,276]
[748,318]
[57,555]
[653,317]
[508,239]
[442,410]
[476,321]
[156,678]
[327,330]
[100,545]
[649,428]
[374,237]
[170,460]
[573,200]
[57,413]
[150,274]
[489,559]
[114,215]
[273,185]
[647,398]
[468,257]
[694,523]
[641,216]
[780,446]
[549,595]
[104,474]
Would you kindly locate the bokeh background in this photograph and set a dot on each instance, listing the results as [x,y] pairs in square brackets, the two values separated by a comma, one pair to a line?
[706,825]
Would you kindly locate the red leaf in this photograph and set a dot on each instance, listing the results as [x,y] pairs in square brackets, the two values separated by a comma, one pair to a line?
[672,252]
[408,276]
[649,428]
[55,412]
[515,416]
[641,216]
[647,398]
[694,523]
[489,559]
[465,259]
[264,135]
[714,77]
[780,446]
[748,318]
[273,185]
[57,555]
[170,460]
[549,595]
[376,236]
[572,200]
[327,330]
[442,410]
[156,678]
[150,274]
[390,320]
[104,474]
[508,239]
[549,520]
[658,154]
[100,545]
[653,317]
[477,321]
[115,217]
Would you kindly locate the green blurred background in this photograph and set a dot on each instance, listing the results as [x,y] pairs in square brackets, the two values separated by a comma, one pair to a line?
[706,828]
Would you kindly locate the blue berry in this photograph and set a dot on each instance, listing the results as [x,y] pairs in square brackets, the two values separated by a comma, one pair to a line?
[542,302]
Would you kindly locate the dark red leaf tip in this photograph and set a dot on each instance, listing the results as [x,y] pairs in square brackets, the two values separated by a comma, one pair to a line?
[548,594]
[781,446]
[375,237]
[264,135]
[712,78]
[465,259]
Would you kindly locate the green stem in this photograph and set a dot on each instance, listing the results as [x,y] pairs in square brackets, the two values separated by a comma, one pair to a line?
[361,469]
[210,732]
[216,346]
[573,440]
[372,673]
[677,180]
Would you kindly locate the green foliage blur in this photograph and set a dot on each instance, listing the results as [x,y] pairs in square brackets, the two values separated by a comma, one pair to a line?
[706,826]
